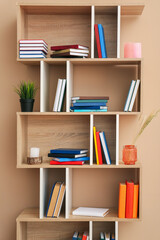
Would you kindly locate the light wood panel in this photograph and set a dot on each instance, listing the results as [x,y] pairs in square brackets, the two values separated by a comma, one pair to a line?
[32,215]
[87,165]
[56,231]
[132,10]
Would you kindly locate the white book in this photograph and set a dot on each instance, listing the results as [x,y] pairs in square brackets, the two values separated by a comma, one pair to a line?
[101,235]
[33,45]
[134,95]
[105,147]
[26,49]
[31,52]
[61,95]
[130,93]
[33,41]
[32,56]
[107,236]
[91,212]
[56,100]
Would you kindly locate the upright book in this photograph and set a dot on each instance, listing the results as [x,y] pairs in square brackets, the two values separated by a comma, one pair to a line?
[129,199]
[105,147]
[97,41]
[102,41]
[134,95]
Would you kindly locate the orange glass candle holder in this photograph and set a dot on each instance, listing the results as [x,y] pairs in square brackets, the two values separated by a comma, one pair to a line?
[129,154]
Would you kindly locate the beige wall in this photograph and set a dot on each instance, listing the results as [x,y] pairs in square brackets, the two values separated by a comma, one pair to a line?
[20,188]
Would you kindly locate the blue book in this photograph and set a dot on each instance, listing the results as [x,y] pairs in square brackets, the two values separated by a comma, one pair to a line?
[50,198]
[102,41]
[90,110]
[77,104]
[75,236]
[71,159]
[112,236]
[88,107]
[105,147]
[69,151]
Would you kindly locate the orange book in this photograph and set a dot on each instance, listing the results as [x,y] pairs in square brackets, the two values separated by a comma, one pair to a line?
[129,199]
[135,200]
[122,200]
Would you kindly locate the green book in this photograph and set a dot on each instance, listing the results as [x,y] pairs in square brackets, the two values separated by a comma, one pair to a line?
[80,235]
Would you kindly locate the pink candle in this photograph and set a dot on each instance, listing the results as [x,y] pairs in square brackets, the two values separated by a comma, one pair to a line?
[132,50]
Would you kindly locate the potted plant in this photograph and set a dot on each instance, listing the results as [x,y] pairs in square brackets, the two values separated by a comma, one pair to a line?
[26,92]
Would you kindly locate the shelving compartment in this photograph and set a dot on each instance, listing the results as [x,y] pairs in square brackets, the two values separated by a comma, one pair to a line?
[100,188]
[105,227]
[57,25]
[108,125]
[107,16]
[106,78]
[50,131]
[50,73]
[49,230]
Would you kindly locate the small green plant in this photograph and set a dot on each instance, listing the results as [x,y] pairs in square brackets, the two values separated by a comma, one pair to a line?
[145,123]
[26,90]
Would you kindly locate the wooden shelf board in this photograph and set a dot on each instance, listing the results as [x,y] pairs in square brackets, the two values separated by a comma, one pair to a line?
[104,166]
[77,61]
[127,9]
[75,113]
[32,215]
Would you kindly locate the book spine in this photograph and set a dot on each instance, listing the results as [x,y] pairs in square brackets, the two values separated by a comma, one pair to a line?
[129,199]
[97,41]
[130,93]
[89,104]
[134,95]
[102,41]
[135,200]
[90,110]
[57,96]
[66,163]
[61,95]
[99,148]
[89,107]
[57,199]
[122,201]
[95,145]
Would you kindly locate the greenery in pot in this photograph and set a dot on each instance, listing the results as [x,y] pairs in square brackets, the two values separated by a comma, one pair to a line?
[26,92]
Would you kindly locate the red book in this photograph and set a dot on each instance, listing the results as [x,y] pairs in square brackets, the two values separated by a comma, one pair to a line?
[129,199]
[97,40]
[75,46]
[99,148]
[66,163]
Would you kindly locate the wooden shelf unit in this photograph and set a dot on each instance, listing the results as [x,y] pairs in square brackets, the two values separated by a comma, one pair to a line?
[70,24]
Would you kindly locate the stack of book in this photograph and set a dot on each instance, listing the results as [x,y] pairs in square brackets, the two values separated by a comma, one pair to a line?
[107,236]
[80,236]
[56,200]
[100,142]
[68,156]
[131,95]
[36,48]
[100,40]
[128,200]
[89,104]
[69,51]
[59,97]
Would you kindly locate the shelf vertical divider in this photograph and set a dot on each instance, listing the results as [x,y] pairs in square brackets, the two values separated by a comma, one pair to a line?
[92,30]
[116,230]
[69,86]
[117,139]
[44,86]
[118,30]
[68,203]
[90,230]
[43,192]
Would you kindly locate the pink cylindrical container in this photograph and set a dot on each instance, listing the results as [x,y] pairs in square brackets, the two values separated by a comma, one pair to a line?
[132,50]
